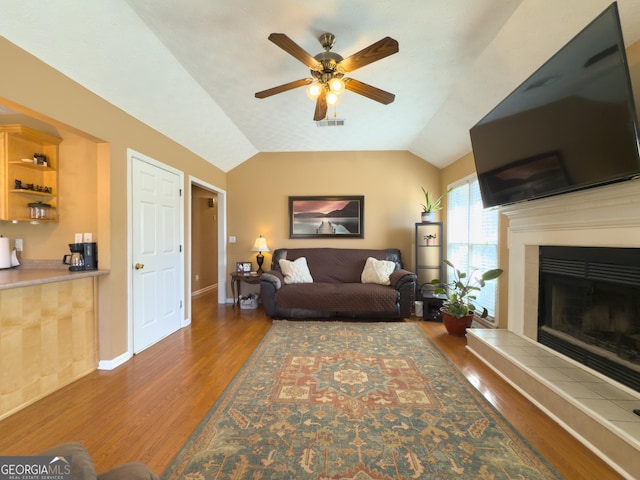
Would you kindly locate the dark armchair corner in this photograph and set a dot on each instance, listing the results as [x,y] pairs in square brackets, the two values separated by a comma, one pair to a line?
[82,467]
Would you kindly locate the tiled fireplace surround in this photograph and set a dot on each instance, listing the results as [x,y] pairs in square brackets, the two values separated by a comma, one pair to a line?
[595,409]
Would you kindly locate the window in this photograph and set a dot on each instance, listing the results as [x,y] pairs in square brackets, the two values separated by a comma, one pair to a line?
[472,237]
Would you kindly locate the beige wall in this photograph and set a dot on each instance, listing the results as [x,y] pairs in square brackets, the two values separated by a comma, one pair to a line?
[31,84]
[390,182]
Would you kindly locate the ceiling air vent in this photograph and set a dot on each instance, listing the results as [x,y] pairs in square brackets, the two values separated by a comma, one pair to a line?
[332,122]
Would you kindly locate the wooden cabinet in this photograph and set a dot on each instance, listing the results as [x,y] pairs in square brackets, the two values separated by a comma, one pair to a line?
[48,337]
[429,251]
[24,182]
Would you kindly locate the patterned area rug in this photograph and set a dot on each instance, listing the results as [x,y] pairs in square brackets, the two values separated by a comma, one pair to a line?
[353,401]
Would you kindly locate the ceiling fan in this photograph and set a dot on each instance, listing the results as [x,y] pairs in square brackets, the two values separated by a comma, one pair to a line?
[328,70]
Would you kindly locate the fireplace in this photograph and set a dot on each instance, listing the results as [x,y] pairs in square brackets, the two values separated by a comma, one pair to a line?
[589,308]
[597,409]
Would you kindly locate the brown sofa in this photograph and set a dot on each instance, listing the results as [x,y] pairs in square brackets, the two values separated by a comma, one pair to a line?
[336,289]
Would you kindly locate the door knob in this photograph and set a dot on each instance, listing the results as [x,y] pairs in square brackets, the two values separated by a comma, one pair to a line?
[139,266]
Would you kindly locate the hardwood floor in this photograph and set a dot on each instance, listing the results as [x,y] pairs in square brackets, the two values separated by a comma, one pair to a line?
[147,409]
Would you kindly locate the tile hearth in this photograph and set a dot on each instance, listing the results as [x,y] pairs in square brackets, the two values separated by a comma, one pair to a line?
[596,410]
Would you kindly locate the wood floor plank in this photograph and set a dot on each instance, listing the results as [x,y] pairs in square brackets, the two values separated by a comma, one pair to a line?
[147,408]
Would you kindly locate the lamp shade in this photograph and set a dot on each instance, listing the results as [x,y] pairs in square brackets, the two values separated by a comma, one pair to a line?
[260,245]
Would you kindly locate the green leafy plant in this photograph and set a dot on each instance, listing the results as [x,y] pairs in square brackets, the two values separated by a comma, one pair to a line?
[461,292]
[431,206]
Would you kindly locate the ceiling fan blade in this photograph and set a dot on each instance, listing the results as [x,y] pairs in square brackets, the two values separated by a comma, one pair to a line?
[382,48]
[284,88]
[368,91]
[321,107]
[295,50]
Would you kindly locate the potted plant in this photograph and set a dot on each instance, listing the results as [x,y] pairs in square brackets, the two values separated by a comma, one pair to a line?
[430,238]
[429,206]
[458,308]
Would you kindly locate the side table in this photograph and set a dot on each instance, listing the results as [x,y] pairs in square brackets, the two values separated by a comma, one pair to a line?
[431,304]
[237,278]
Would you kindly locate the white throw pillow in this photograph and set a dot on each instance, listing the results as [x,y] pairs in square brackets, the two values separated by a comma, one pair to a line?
[377,271]
[296,271]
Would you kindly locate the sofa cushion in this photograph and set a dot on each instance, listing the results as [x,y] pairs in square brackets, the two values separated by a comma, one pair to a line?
[377,271]
[296,271]
[338,297]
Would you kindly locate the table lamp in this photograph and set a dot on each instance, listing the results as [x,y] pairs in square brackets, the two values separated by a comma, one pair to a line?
[260,246]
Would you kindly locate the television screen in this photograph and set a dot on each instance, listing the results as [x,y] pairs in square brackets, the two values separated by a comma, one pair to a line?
[570,125]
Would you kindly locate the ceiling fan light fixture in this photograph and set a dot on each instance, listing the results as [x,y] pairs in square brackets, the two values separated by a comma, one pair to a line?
[314,90]
[336,85]
[332,98]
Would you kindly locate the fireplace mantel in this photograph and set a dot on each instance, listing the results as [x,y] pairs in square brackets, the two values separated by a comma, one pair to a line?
[603,207]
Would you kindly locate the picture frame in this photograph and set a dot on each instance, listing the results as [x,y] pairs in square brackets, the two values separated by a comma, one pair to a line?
[326,216]
[244,267]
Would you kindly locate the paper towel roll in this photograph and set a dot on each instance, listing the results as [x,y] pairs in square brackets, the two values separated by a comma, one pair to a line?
[5,253]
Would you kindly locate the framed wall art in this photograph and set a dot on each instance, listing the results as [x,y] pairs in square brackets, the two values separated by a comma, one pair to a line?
[326,217]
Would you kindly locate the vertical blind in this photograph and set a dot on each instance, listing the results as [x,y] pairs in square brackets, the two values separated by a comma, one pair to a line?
[472,237]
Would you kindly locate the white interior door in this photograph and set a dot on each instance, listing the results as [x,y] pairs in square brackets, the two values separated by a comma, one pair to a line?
[156,253]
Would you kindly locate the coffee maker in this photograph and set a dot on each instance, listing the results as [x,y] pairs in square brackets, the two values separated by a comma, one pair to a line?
[83,256]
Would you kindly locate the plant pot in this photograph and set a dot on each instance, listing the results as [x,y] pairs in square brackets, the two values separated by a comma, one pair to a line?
[456,326]
[428,216]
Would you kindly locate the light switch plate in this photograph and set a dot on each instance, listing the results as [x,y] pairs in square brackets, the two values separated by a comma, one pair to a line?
[88,237]
[232,239]
[78,238]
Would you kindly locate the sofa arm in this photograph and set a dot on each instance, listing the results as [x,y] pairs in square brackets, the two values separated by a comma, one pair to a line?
[404,282]
[270,283]
[274,278]
[401,276]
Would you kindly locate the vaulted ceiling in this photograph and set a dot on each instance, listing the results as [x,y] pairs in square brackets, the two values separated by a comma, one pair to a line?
[190,68]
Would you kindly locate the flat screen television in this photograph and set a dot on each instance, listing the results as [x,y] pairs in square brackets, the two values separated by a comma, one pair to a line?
[571,125]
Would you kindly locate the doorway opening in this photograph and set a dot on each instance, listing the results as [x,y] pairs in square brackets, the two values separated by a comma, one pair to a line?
[207,262]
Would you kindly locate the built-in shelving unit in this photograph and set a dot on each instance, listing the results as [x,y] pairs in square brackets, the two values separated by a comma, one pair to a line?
[24,182]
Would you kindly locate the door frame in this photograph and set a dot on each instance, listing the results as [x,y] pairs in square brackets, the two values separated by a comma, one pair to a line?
[131,154]
[222,235]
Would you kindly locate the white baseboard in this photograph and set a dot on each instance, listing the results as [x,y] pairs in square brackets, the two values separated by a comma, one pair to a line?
[204,290]
[114,363]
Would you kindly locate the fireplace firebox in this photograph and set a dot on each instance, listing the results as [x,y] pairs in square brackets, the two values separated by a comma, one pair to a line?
[589,308]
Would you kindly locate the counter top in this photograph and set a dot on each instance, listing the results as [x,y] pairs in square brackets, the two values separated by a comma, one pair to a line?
[25,277]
